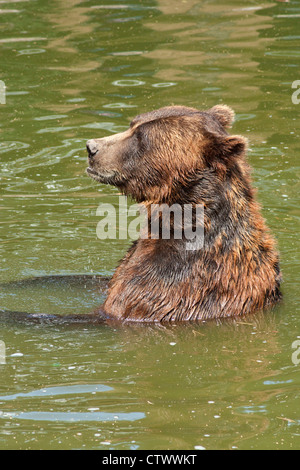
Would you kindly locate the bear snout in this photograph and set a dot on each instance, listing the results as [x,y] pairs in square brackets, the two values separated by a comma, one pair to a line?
[92,148]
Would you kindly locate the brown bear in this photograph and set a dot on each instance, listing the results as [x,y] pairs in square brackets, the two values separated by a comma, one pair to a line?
[180,155]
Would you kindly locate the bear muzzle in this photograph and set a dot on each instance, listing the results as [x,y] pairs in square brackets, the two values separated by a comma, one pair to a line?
[92,148]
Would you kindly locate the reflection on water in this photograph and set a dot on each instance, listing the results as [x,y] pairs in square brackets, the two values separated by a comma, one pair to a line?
[77,70]
[221,385]
[70,417]
[61,391]
[73,294]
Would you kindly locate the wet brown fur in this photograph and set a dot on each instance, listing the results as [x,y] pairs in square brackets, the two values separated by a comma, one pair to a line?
[182,155]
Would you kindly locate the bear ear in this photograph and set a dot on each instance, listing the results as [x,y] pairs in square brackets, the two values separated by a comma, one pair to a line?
[223,152]
[233,146]
[224,114]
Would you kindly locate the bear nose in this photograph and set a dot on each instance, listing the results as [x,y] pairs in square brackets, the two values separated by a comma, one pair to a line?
[92,147]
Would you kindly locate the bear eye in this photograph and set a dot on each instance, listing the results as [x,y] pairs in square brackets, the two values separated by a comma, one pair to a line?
[140,139]
[139,135]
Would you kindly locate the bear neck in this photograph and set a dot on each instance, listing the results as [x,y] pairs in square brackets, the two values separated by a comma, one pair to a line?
[236,270]
[231,215]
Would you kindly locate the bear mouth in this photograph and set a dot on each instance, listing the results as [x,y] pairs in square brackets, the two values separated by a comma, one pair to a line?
[108,177]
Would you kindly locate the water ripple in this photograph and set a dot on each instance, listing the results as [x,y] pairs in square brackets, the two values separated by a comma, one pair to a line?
[13,145]
[31,51]
[128,82]
[72,417]
[63,390]
[8,40]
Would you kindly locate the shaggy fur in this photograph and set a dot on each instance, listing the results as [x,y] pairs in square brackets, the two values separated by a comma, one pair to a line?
[185,156]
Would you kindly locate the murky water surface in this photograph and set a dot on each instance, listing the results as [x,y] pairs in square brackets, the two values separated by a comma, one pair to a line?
[75,70]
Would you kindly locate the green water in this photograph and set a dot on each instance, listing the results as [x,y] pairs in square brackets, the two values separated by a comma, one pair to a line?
[76,70]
